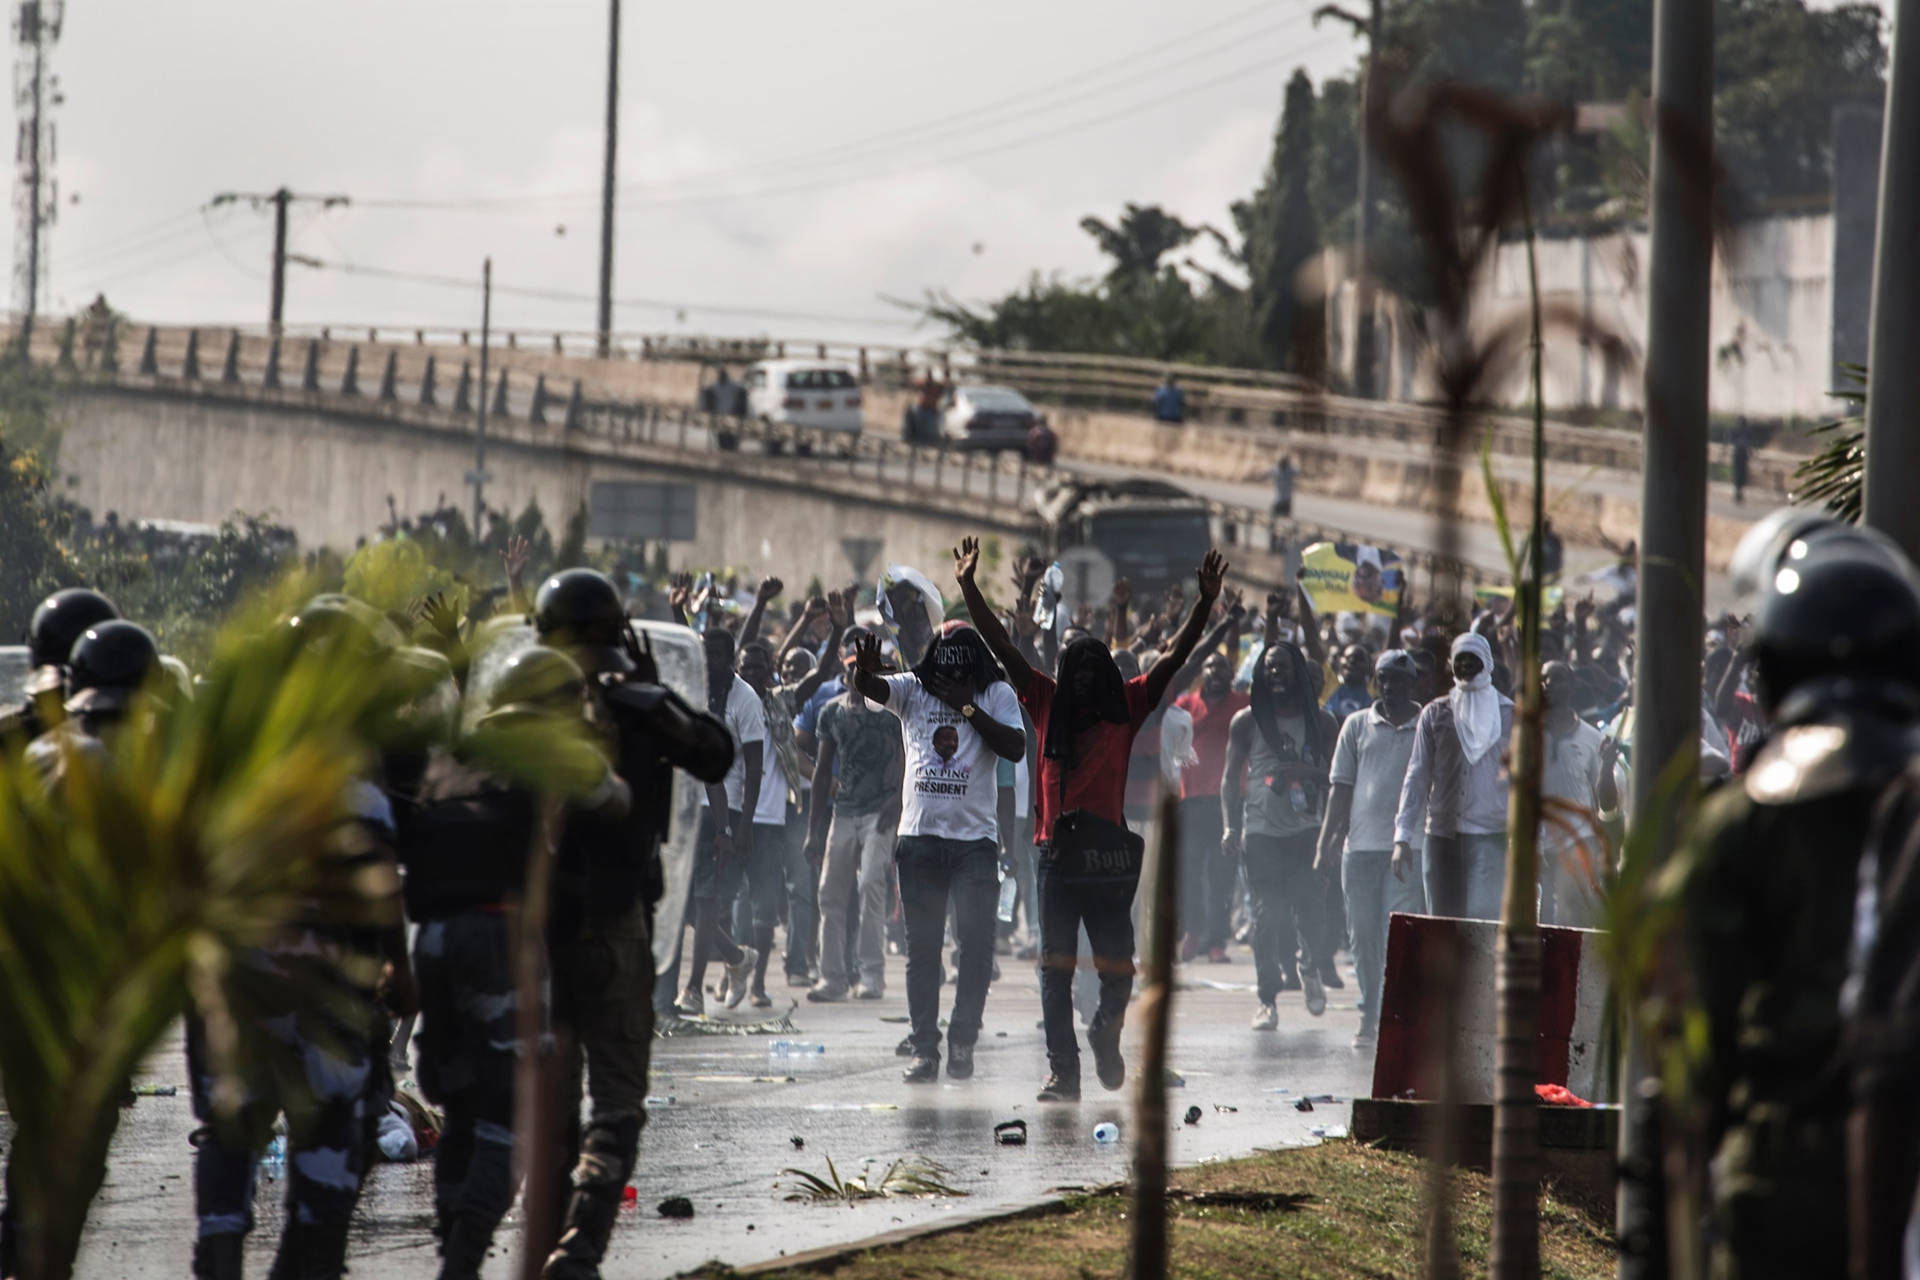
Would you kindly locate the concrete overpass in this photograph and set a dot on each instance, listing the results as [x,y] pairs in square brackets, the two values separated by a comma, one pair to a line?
[322,430]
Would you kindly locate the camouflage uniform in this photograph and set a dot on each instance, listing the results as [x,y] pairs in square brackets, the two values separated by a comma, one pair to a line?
[1767,888]
[321,1061]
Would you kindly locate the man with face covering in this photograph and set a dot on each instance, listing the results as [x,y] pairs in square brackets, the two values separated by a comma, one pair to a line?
[956,714]
[1089,866]
[1457,785]
[1285,740]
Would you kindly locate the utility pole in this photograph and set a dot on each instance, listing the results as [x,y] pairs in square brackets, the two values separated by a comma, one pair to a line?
[36,25]
[604,342]
[1893,343]
[478,477]
[1673,531]
[279,199]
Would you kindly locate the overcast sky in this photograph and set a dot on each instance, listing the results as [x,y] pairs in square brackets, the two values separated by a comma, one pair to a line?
[785,168]
[774,158]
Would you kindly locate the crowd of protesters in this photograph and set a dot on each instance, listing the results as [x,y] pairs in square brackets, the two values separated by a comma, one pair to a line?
[887,772]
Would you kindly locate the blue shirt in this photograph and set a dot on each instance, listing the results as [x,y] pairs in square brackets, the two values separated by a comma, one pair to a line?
[1170,404]
[1346,700]
[809,718]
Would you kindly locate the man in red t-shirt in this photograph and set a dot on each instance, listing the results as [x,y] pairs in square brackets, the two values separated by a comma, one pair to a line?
[1086,720]
[1207,878]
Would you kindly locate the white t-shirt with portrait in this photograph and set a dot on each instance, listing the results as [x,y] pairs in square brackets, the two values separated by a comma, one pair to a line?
[951,787]
[747,722]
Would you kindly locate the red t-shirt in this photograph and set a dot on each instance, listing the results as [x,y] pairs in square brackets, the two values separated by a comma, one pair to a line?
[1098,781]
[1211,721]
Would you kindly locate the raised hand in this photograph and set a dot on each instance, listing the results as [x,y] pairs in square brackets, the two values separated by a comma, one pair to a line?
[966,559]
[679,590]
[1123,592]
[438,614]
[1233,600]
[840,609]
[1212,574]
[866,653]
[770,588]
[514,558]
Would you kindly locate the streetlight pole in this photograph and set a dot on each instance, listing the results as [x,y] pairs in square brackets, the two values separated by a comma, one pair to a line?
[1893,344]
[280,200]
[1673,530]
[1363,338]
[604,341]
[478,476]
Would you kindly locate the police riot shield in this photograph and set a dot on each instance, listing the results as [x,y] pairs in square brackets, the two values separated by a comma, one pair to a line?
[683,668]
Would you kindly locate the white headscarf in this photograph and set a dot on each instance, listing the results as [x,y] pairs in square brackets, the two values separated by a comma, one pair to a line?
[1475,704]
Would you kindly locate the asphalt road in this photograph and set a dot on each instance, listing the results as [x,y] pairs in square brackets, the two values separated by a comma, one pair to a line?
[727,1136]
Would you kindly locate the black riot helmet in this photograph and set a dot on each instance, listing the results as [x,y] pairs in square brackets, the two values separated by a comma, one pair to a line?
[579,607]
[537,680]
[108,666]
[61,619]
[1834,601]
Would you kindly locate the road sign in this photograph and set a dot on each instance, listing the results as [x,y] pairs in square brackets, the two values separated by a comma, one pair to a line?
[861,553]
[626,510]
[1089,576]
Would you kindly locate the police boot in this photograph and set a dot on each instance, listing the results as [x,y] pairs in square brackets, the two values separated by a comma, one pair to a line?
[583,1240]
[465,1247]
[606,1158]
[218,1257]
[311,1251]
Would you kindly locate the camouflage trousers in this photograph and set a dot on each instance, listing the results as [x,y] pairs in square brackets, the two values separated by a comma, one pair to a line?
[469,1049]
[322,1068]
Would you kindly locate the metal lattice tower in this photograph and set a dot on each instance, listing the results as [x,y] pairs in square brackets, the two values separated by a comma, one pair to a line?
[36,193]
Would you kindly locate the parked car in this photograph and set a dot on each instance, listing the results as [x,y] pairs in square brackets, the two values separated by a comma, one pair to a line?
[993,418]
[819,395]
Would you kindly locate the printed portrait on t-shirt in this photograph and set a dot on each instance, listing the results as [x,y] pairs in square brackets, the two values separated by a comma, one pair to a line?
[946,741]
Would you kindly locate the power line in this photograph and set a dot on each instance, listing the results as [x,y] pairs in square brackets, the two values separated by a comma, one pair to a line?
[1051,97]
[562,295]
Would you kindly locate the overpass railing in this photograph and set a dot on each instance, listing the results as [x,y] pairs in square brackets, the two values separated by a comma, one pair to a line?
[331,376]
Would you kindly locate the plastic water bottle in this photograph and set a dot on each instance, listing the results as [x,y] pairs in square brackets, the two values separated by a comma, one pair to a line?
[1106,1132]
[274,1162]
[659,1100]
[1052,584]
[795,1055]
[1009,894]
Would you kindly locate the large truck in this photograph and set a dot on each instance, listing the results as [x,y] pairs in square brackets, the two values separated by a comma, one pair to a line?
[1147,531]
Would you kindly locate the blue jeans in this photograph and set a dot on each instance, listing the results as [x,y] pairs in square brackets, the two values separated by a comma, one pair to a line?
[1466,875]
[932,869]
[1373,894]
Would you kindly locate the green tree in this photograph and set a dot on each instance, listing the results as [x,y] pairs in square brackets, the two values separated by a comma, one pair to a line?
[1143,236]
[1282,235]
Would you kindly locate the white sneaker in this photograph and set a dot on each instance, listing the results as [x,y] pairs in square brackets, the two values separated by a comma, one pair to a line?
[691,1003]
[739,975]
[1267,1019]
[1365,1039]
[1316,993]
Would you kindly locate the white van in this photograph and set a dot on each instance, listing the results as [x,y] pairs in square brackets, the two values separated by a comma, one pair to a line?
[821,395]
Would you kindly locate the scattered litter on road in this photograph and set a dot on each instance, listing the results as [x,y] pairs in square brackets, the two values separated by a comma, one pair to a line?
[395,1135]
[676,1207]
[1223,1107]
[1324,1097]
[907,1176]
[659,1100]
[155,1090]
[1011,1133]
[1328,1131]
[1174,1080]
[853,1106]
[899,1018]
[1558,1095]
[1193,1115]
[630,1195]
[746,1080]
[1305,1104]
[799,1143]
[1106,1132]
[676,1025]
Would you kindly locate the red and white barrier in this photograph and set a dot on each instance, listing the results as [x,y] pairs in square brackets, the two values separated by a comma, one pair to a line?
[1573,992]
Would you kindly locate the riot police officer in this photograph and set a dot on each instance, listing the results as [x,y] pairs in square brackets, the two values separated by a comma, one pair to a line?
[607,881]
[1767,883]
[58,623]
[326,1035]
[110,664]
[465,848]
